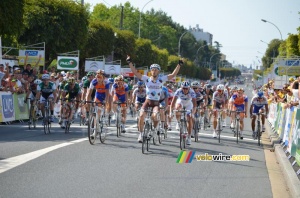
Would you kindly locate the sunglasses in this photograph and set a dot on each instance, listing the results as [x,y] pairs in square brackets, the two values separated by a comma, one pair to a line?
[185,88]
[195,88]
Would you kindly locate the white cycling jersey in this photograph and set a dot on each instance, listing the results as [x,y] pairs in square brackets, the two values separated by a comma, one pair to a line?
[259,103]
[219,98]
[139,93]
[154,88]
[184,98]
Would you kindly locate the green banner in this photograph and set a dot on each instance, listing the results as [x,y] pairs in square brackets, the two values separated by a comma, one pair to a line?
[21,109]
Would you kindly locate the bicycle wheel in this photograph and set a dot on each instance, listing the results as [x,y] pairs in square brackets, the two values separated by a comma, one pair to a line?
[118,124]
[237,131]
[103,131]
[81,120]
[159,135]
[145,143]
[67,126]
[155,137]
[92,129]
[205,123]
[219,129]
[196,128]
[181,133]
[30,121]
[45,125]
[109,120]
[34,118]
[258,133]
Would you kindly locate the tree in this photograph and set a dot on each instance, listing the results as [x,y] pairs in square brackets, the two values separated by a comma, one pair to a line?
[11,17]
[292,48]
[271,53]
[61,24]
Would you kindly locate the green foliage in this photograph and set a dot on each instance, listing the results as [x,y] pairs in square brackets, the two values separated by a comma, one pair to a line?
[229,72]
[62,24]
[271,53]
[11,17]
[292,48]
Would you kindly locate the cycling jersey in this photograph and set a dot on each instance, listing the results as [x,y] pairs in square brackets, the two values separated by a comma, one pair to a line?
[100,89]
[72,92]
[258,103]
[46,90]
[184,98]
[164,94]
[120,92]
[239,102]
[140,95]
[171,95]
[219,98]
[33,88]
[153,88]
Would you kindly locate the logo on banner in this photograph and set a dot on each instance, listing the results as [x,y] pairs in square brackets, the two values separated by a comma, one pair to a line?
[67,63]
[94,66]
[8,106]
[31,53]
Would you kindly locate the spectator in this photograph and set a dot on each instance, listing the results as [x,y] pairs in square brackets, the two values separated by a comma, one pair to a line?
[28,68]
[19,88]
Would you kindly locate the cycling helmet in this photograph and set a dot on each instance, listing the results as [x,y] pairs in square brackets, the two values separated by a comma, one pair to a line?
[100,71]
[111,80]
[220,87]
[195,84]
[185,84]
[120,78]
[90,74]
[235,88]
[37,81]
[208,86]
[140,83]
[45,76]
[260,94]
[84,78]
[125,80]
[155,66]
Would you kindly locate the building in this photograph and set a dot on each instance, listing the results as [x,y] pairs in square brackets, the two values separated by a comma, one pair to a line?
[200,35]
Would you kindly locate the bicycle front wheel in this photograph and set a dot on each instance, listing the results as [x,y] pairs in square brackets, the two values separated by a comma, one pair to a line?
[258,133]
[237,131]
[118,123]
[196,128]
[103,131]
[145,143]
[219,129]
[92,130]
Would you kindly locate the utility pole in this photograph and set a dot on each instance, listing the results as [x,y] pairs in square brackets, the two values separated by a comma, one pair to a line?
[121,19]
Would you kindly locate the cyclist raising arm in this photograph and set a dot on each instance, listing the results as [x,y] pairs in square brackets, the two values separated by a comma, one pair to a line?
[154,85]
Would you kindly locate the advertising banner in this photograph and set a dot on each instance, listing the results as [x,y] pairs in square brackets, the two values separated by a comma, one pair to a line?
[290,71]
[295,137]
[287,128]
[281,123]
[21,109]
[93,65]
[112,69]
[292,128]
[126,72]
[7,108]
[33,57]
[178,79]
[67,63]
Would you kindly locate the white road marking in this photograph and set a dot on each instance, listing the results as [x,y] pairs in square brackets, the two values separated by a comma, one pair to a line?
[13,162]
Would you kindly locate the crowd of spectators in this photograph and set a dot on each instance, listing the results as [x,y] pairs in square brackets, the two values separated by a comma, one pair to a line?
[289,94]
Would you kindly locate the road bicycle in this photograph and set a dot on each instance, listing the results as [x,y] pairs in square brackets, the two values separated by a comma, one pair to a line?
[219,123]
[32,115]
[182,128]
[258,127]
[97,125]
[119,117]
[47,117]
[147,131]
[236,122]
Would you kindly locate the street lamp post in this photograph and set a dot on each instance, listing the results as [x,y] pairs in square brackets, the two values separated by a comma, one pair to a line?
[141,18]
[179,42]
[263,20]
[211,58]
[264,42]
[198,51]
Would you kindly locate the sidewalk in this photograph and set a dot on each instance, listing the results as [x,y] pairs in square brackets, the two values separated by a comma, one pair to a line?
[287,169]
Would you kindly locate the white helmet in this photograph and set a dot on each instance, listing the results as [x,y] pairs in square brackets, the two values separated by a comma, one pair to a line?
[195,84]
[155,66]
[220,87]
[37,81]
[45,77]
[185,84]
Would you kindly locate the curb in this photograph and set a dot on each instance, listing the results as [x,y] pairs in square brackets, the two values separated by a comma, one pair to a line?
[290,176]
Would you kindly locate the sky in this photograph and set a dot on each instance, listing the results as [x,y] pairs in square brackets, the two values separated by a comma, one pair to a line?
[235,24]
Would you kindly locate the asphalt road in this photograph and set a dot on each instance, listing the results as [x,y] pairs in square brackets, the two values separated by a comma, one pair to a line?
[33,164]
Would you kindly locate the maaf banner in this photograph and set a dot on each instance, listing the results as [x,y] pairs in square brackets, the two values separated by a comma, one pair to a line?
[33,57]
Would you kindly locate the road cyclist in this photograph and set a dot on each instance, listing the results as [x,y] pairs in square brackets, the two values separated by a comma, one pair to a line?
[185,97]
[153,85]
